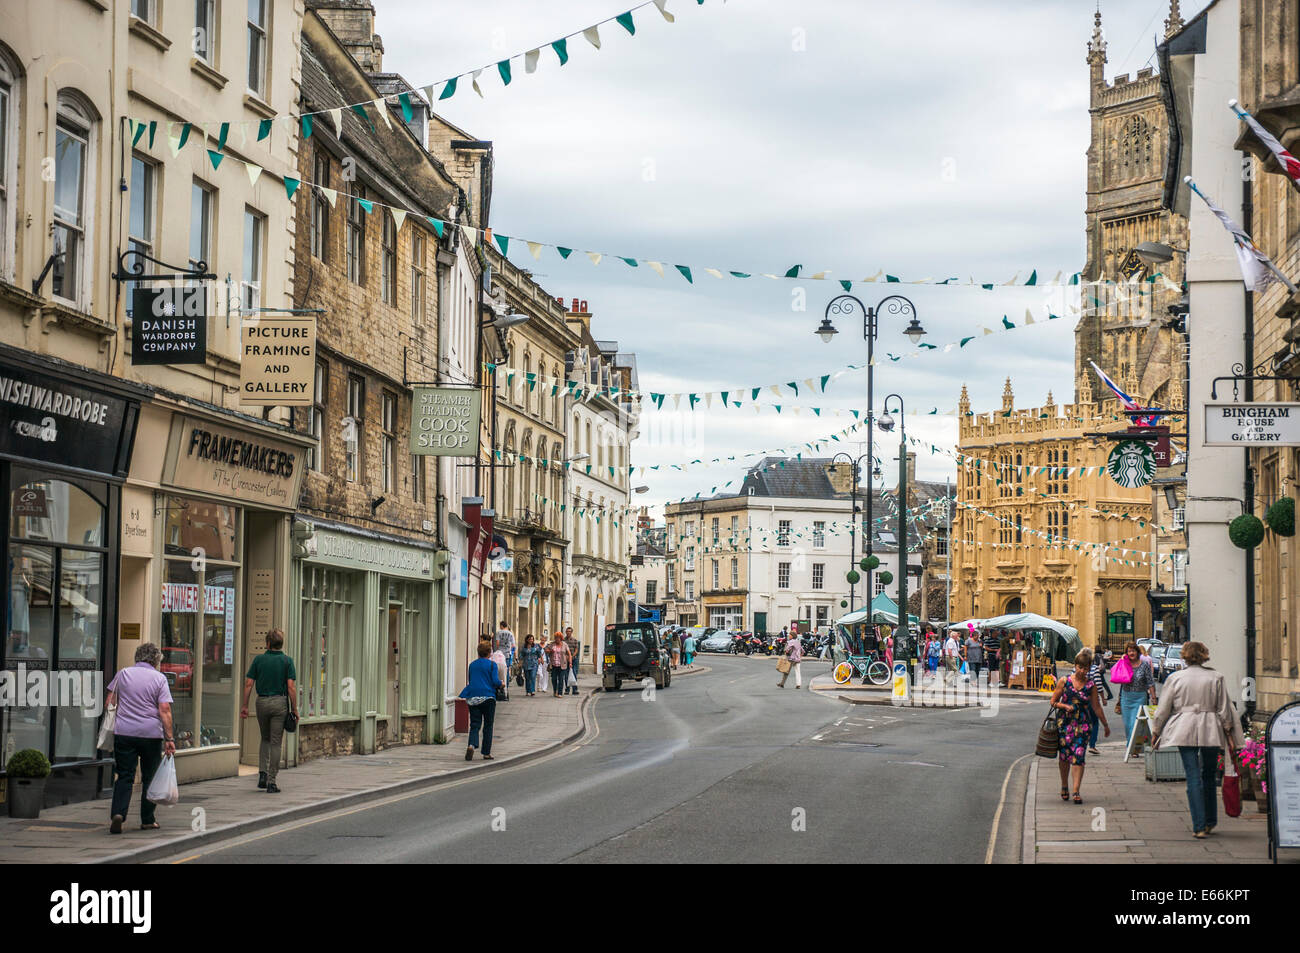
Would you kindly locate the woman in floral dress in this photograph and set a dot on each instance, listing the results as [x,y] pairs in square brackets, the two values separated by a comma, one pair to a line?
[1074,698]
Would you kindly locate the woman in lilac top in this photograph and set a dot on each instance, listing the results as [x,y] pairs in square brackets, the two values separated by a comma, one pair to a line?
[142,732]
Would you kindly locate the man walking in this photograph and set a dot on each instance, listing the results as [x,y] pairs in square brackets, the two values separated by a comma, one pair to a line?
[950,660]
[506,642]
[992,662]
[794,655]
[575,656]
[273,674]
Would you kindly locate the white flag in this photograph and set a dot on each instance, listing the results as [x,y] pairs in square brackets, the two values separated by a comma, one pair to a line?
[1256,268]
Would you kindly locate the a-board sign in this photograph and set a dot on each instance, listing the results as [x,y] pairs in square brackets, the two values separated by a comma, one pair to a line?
[1283,740]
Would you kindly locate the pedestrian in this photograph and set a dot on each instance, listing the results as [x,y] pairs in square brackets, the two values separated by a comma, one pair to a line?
[1197,717]
[992,645]
[951,662]
[974,653]
[1137,688]
[793,654]
[543,666]
[499,656]
[273,674]
[506,640]
[480,694]
[676,649]
[142,732]
[531,656]
[933,650]
[575,659]
[1097,675]
[1073,698]
[558,660]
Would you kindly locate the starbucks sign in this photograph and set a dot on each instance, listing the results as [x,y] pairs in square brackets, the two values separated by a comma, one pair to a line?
[1131,464]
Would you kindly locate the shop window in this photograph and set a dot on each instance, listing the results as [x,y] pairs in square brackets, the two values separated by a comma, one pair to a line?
[327,596]
[200,612]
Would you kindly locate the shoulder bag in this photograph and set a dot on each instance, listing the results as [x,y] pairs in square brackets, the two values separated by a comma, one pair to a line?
[783,664]
[1049,736]
[290,716]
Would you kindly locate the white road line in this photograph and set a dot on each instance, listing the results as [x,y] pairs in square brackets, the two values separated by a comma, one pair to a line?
[997,815]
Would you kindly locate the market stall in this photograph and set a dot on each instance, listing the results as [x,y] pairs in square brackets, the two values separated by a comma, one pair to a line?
[1030,646]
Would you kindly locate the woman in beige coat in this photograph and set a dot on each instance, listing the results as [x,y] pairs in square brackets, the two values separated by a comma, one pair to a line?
[1196,716]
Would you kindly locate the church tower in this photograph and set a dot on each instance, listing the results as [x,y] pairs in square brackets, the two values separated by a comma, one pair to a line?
[1120,324]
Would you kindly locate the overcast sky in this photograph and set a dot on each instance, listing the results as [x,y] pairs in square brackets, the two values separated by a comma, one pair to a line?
[928,139]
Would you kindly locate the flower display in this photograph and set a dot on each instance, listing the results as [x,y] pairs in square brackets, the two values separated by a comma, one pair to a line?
[1253,757]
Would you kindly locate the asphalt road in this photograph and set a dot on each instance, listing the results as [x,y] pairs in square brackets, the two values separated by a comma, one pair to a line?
[720,767]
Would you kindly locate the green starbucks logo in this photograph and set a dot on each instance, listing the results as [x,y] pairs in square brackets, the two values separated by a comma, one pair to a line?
[1131,464]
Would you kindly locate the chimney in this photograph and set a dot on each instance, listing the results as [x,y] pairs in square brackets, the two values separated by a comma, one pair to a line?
[841,476]
[355,28]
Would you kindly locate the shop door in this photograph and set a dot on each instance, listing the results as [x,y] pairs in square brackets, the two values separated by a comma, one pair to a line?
[760,623]
[394,674]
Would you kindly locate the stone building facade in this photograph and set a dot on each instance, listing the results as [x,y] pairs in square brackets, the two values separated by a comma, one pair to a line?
[1270,90]
[1028,529]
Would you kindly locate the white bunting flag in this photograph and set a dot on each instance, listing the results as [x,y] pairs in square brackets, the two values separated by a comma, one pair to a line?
[530,61]
[253,172]
[331,195]
[593,36]
[399,216]
[714,272]
[535,249]
[337,115]
[474,82]
[661,4]
[381,107]
[657,267]
[595,257]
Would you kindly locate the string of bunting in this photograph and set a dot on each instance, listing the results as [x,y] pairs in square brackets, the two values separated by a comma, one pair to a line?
[178,141]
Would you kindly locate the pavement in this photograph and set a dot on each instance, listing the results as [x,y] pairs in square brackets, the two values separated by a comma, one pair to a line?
[1126,819]
[525,729]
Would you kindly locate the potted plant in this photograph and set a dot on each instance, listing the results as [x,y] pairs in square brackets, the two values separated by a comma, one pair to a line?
[27,771]
[1253,758]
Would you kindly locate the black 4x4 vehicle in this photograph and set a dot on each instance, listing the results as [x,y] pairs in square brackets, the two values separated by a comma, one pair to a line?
[633,650]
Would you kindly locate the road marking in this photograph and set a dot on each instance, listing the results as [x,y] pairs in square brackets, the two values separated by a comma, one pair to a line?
[997,815]
[919,764]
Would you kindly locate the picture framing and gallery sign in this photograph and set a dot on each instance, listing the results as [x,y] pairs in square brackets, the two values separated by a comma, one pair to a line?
[445,421]
[1252,425]
[277,366]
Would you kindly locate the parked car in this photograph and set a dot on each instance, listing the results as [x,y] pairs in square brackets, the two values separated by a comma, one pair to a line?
[720,641]
[1171,660]
[634,650]
[178,666]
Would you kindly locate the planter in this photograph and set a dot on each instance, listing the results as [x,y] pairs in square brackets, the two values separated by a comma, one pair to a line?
[25,797]
[1247,784]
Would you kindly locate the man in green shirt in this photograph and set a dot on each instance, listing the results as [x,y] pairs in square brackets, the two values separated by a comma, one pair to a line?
[273,674]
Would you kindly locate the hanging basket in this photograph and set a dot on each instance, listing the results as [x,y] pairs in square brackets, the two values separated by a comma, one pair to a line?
[844,603]
[1280,517]
[870,562]
[886,577]
[1246,531]
[852,576]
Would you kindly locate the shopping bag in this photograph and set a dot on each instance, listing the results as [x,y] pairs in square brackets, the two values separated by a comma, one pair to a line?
[163,789]
[1231,788]
[783,665]
[1121,673]
[105,742]
[573,679]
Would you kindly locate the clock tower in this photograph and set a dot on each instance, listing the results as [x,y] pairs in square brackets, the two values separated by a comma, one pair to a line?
[1120,324]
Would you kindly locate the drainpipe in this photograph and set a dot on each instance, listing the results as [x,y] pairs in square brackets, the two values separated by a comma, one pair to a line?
[1247,212]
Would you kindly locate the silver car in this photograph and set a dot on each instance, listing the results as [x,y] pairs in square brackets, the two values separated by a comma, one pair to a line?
[719,641]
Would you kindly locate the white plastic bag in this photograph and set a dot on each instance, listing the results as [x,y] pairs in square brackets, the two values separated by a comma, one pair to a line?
[163,789]
[105,741]
[573,679]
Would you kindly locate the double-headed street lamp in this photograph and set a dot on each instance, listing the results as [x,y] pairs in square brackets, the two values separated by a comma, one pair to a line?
[903,645]
[895,305]
[856,465]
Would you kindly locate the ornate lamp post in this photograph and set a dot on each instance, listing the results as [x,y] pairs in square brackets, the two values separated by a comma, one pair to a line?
[904,647]
[856,465]
[894,305]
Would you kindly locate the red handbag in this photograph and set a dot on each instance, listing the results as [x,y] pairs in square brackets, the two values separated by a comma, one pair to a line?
[1231,787]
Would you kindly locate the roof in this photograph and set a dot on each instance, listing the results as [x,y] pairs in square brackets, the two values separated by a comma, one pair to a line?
[804,478]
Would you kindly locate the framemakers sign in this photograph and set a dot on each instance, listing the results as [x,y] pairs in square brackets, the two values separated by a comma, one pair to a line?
[1252,425]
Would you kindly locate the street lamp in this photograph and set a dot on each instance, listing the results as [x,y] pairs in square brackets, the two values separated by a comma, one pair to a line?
[853,521]
[903,646]
[895,305]
[1157,253]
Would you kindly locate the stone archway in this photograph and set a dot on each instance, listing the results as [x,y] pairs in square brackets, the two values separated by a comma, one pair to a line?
[1014,605]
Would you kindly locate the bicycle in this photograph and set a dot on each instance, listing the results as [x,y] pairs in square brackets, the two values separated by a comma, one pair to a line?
[868,667]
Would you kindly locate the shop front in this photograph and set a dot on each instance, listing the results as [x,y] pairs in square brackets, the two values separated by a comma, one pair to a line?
[205,541]
[66,439]
[368,639]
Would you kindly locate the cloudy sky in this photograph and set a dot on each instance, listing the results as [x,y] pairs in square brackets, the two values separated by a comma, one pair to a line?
[927,139]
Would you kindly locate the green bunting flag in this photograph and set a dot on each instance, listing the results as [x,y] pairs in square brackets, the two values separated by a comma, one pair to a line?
[360,110]
[631,262]
[825,379]
[448,90]
[221,136]
[291,186]
[965,341]
[502,241]
[561,48]
[306,127]
[1007,323]
[215,158]
[503,68]
[564,252]
[846,284]
[138,127]
[367,205]
[793,272]
[625,21]
[263,129]
[185,134]
[686,273]
[405,100]
[437,225]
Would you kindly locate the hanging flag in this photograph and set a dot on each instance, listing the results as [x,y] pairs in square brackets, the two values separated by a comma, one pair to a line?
[593,36]
[625,21]
[561,48]
[1128,402]
[1289,163]
[1257,269]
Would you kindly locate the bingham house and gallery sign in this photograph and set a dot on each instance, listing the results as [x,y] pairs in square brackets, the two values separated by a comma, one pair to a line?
[1252,425]
[445,421]
[237,465]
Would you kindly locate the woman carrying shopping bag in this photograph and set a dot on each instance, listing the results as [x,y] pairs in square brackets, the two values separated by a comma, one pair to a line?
[142,732]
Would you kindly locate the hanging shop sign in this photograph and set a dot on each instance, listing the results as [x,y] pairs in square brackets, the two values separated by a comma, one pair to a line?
[59,421]
[1131,464]
[169,325]
[240,466]
[526,596]
[1252,425]
[445,421]
[278,361]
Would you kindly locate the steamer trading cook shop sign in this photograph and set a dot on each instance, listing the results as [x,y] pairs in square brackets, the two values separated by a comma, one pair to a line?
[445,421]
[1252,425]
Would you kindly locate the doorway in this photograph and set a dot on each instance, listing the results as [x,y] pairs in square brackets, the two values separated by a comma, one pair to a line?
[394,673]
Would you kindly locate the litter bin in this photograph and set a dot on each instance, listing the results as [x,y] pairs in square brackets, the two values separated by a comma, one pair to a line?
[462,716]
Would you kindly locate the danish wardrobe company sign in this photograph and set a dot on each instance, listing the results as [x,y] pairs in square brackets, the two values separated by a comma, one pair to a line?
[278,363]
[61,421]
[1252,425]
[445,421]
[169,325]
[240,466]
